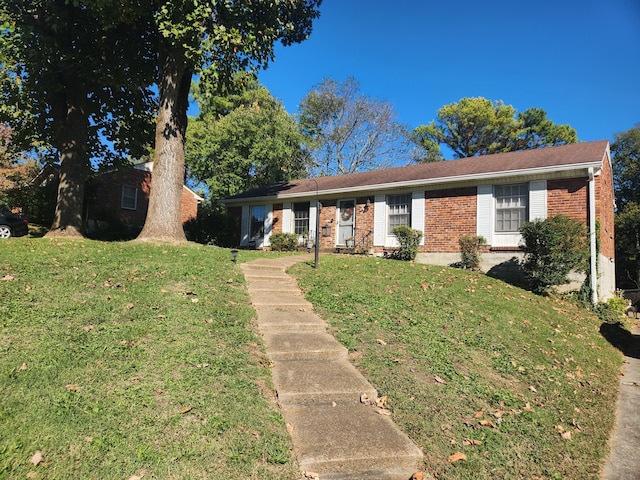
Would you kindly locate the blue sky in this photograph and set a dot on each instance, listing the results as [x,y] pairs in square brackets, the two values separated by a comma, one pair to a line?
[579,60]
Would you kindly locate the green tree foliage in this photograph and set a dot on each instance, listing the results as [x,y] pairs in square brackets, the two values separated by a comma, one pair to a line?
[477,126]
[348,131]
[553,248]
[626,170]
[242,140]
[68,82]
[213,38]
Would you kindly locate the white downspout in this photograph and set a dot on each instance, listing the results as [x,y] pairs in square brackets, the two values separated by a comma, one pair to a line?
[592,237]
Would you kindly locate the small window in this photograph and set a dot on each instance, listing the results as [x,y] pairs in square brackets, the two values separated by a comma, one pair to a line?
[399,211]
[301,218]
[257,221]
[511,207]
[129,197]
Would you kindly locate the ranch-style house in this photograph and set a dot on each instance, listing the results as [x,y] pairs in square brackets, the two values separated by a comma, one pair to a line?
[490,196]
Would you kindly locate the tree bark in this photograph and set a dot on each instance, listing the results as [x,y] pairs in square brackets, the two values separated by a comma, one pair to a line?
[163,222]
[72,132]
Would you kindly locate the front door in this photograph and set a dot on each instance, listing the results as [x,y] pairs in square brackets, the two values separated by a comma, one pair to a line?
[346,220]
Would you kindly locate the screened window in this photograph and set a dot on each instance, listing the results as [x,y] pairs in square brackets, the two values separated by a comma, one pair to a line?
[257,221]
[511,207]
[129,197]
[301,218]
[399,211]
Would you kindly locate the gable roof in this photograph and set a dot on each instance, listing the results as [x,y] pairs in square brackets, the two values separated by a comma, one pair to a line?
[542,160]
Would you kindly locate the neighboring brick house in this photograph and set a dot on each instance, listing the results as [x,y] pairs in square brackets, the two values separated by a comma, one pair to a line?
[491,196]
[121,197]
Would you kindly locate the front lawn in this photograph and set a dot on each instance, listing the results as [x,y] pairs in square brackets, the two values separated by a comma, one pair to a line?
[491,381]
[126,360]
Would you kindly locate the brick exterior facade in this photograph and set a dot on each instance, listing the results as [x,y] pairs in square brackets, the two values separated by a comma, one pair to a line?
[605,201]
[105,199]
[449,215]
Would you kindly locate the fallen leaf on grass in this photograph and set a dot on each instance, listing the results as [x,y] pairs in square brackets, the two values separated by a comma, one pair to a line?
[566,435]
[37,458]
[72,387]
[381,342]
[533,389]
[417,476]
[457,457]
[129,306]
[470,441]
[8,278]
[186,409]
[32,475]
[382,401]
[383,411]
[439,379]
[139,476]
[487,423]
[23,367]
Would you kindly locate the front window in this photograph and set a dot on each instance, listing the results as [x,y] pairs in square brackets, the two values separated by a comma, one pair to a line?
[257,221]
[399,211]
[129,197]
[511,207]
[301,218]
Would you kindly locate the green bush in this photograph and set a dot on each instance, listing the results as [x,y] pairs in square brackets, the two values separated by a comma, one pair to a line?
[409,240]
[612,310]
[284,242]
[470,251]
[553,248]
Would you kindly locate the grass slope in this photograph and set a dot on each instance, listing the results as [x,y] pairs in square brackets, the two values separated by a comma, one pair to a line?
[524,387]
[130,360]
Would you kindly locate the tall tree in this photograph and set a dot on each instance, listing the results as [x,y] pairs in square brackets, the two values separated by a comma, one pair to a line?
[349,131]
[477,126]
[626,173]
[213,38]
[243,139]
[70,84]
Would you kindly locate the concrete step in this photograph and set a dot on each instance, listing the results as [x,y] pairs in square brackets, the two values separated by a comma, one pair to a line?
[303,346]
[289,320]
[279,298]
[319,382]
[350,442]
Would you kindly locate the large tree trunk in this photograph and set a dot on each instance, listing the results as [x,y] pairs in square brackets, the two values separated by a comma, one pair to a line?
[72,131]
[163,221]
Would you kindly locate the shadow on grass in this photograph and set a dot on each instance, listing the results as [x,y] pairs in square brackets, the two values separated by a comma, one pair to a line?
[621,338]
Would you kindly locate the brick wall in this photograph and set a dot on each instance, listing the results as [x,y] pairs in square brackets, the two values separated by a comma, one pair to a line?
[276,226]
[449,215]
[328,217]
[364,222]
[604,210]
[105,201]
[569,197]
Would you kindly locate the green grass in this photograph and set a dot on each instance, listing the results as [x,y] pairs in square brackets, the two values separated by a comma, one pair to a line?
[471,364]
[126,359]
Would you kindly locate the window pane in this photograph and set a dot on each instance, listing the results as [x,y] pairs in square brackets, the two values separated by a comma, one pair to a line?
[301,218]
[257,221]
[511,207]
[399,207]
[129,197]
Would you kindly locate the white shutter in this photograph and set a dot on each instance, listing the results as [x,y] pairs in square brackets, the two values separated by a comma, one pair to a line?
[537,200]
[484,214]
[268,224]
[287,224]
[379,220]
[312,220]
[244,226]
[417,213]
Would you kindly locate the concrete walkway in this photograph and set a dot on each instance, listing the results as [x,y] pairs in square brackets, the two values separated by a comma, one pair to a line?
[624,460]
[338,431]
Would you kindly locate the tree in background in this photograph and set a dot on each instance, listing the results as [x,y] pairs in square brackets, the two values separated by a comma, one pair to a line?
[350,132]
[477,126]
[68,83]
[215,39]
[626,173]
[242,139]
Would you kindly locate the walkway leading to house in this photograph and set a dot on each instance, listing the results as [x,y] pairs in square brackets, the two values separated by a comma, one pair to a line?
[624,459]
[337,434]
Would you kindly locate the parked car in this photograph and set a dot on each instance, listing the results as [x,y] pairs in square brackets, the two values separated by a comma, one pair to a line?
[12,225]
